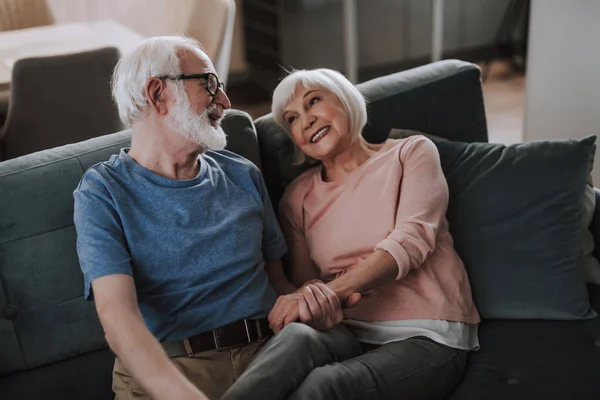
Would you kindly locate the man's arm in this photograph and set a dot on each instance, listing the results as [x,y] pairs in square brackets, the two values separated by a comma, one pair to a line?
[277,278]
[130,339]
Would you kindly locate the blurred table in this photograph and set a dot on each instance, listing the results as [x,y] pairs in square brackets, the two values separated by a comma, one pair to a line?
[61,39]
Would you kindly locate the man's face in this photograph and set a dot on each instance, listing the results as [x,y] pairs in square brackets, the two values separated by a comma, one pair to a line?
[195,113]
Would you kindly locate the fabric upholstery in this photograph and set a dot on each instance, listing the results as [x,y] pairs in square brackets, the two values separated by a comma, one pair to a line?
[595,225]
[58,100]
[406,133]
[535,360]
[241,135]
[88,376]
[39,269]
[515,214]
[591,267]
[443,99]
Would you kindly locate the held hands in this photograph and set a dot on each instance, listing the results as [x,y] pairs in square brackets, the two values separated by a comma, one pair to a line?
[314,304]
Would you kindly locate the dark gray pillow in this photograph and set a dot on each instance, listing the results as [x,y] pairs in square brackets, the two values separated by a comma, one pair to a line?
[515,214]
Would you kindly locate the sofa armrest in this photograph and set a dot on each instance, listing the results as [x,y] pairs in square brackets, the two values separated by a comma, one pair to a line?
[595,225]
[443,98]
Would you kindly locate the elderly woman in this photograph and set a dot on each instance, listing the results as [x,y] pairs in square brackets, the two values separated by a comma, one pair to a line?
[369,219]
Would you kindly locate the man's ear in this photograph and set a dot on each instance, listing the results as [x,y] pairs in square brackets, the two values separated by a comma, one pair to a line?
[156,95]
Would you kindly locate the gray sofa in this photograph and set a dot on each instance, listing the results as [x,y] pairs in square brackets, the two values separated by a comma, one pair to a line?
[52,345]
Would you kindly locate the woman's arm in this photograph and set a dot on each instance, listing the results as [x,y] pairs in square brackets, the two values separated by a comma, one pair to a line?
[422,204]
[377,269]
[299,265]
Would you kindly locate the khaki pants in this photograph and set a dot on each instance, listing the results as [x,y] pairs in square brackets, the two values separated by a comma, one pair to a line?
[213,372]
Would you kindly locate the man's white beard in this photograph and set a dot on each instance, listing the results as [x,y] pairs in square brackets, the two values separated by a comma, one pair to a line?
[196,127]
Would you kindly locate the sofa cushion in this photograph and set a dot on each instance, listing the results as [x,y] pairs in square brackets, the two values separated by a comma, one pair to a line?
[88,377]
[524,360]
[39,272]
[516,213]
[241,135]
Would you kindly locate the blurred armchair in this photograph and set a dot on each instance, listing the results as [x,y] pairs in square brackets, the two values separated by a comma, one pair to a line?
[58,100]
[212,23]
[21,14]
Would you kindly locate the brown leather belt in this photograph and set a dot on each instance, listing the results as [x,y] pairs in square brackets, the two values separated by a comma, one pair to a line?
[236,334]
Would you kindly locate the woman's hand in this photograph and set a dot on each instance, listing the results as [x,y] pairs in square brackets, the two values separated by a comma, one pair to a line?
[314,304]
[322,308]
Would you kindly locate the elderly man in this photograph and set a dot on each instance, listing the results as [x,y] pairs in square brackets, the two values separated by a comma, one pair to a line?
[177,239]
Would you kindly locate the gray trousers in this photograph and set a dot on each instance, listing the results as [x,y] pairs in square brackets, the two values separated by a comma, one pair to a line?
[302,363]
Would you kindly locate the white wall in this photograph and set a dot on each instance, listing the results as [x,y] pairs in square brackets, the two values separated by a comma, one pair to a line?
[562,98]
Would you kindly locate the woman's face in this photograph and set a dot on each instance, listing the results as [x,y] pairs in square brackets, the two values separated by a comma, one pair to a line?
[318,122]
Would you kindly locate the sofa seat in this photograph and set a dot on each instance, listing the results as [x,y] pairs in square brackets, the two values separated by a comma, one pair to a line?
[529,359]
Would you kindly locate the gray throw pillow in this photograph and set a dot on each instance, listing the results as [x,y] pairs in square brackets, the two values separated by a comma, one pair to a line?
[591,266]
[516,214]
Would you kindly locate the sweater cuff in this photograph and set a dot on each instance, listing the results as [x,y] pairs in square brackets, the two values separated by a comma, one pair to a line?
[398,253]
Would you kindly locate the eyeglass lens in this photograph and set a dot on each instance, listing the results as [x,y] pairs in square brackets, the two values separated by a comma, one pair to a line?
[212,84]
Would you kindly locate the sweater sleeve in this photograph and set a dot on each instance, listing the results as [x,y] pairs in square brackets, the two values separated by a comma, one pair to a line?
[422,205]
[298,262]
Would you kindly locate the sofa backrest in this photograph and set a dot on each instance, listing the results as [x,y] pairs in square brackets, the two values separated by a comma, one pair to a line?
[444,99]
[43,316]
[42,287]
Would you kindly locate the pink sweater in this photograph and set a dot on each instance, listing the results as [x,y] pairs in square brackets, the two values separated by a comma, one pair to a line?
[395,201]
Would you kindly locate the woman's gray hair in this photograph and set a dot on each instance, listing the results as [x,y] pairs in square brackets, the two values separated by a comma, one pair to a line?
[153,57]
[353,102]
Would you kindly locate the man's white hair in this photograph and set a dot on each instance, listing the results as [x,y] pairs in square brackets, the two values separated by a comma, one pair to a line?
[155,56]
[352,100]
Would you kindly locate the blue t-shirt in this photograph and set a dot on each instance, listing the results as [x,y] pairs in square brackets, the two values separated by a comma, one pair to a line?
[195,248]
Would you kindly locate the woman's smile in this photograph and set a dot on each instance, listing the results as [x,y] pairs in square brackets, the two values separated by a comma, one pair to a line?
[320,134]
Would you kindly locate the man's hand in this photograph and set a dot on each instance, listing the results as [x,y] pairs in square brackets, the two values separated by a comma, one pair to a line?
[285,311]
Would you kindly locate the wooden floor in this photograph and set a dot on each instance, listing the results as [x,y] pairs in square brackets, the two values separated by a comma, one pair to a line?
[503,93]
[504,96]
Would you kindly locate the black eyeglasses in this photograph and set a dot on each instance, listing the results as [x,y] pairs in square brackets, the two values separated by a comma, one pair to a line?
[211,82]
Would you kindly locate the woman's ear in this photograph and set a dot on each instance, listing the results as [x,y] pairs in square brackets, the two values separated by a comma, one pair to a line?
[156,95]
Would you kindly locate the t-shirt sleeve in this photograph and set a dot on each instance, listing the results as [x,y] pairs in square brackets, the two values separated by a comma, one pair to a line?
[273,245]
[422,205]
[101,245]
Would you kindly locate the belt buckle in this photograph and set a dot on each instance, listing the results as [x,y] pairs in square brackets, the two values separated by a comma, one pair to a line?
[247,330]
[188,348]
[258,329]
[217,340]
